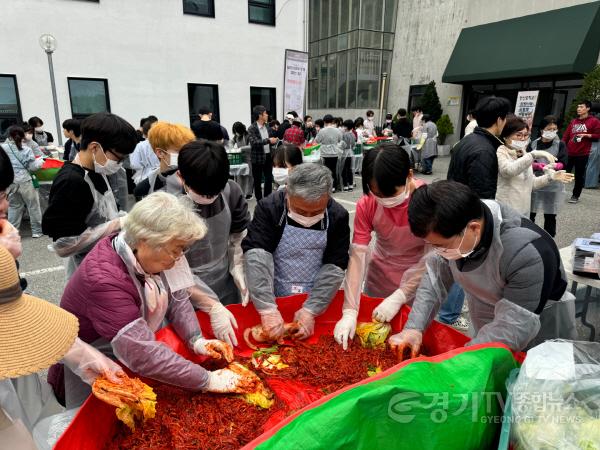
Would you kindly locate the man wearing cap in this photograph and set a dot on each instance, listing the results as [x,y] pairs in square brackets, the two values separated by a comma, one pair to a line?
[294,135]
[35,334]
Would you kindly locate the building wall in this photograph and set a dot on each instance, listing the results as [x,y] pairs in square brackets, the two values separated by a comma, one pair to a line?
[149,51]
[426,33]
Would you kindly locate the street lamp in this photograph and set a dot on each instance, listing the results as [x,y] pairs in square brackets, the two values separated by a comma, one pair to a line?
[48,44]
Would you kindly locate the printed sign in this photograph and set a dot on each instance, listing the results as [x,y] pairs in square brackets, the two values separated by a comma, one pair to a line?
[525,107]
[294,85]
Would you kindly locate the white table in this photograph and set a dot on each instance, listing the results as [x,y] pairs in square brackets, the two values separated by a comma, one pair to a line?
[314,157]
[566,255]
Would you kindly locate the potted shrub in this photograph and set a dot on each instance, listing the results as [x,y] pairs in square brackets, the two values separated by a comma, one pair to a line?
[445,128]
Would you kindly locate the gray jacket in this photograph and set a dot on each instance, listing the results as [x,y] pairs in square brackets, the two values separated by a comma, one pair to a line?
[330,139]
[530,271]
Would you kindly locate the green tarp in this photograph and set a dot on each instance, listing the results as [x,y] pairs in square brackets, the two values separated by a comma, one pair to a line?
[558,42]
[449,402]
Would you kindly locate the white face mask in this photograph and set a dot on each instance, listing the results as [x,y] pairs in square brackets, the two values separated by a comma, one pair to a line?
[200,199]
[452,254]
[280,175]
[391,202]
[109,168]
[39,129]
[173,159]
[306,222]
[519,145]
[550,135]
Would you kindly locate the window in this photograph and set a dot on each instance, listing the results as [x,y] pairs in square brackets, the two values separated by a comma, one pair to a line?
[415,93]
[10,109]
[261,11]
[203,96]
[369,73]
[265,96]
[88,96]
[204,8]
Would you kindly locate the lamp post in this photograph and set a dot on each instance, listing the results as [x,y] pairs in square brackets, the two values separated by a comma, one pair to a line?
[384,76]
[48,44]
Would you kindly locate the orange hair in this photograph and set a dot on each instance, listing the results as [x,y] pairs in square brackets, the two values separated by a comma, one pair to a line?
[169,136]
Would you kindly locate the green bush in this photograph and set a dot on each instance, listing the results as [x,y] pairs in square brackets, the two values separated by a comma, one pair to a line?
[589,91]
[445,128]
[430,102]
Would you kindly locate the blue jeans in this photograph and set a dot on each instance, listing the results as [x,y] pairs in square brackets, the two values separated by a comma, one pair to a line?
[452,307]
[427,164]
[593,167]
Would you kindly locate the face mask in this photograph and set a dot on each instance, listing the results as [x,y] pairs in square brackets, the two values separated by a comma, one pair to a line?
[306,222]
[551,135]
[201,199]
[453,254]
[280,175]
[173,159]
[28,136]
[111,167]
[520,145]
[391,202]
[39,129]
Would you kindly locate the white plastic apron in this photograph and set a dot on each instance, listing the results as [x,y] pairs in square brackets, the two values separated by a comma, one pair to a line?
[172,185]
[298,258]
[550,198]
[396,250]
[484,287]
[209,258]
[104,210]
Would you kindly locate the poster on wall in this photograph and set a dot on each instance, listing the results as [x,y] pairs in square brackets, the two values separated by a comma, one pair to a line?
[294,83]
[525,106]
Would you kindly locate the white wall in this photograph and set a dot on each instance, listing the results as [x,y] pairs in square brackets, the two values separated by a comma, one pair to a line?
[149,51]
[426,33]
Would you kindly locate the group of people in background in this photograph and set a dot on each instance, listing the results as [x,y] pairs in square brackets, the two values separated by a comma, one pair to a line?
[190,242]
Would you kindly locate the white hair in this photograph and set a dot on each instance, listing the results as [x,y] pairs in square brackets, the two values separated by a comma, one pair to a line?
[160,218]
[309,181]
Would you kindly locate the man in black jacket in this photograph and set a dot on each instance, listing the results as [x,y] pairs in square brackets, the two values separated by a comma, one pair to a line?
[260,142]
[297,243]
[473,161]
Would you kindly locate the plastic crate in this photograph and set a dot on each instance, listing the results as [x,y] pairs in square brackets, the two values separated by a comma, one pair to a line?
[235,159]
[358,149]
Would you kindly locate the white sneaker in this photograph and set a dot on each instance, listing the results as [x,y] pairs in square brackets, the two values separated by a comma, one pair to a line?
[461,324]
[465,308]
[36,235]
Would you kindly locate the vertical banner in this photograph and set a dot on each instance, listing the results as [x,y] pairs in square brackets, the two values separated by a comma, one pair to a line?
[294,82]
[525,107]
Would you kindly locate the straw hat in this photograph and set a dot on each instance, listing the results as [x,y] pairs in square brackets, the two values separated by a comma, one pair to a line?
[34,334]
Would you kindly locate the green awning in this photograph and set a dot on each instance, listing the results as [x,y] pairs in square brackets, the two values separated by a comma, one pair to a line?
[558,42]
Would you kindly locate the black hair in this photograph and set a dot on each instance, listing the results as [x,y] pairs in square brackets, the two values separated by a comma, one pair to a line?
[274,123]
[152,117]
[402,112]
[426,118]
[293,113]
[388,116]
[257,111]
[328,118]
[207,129]
[359,122]
[348,124]
[204,166]
[490,109]
[307,117]
[444,207]
[35,121]
[288,154]
[142,120]
[146,127]
[17,134]
[110,131]
[388,165]
[513,124]
[320,123]
[72,125]
[587,103]
[370,113]
[239,128]
[7,174]
[547,120]
[471,113]
[203,110]
[27,128]
[416,108]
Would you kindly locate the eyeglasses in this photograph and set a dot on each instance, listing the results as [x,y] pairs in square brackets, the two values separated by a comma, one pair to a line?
[522,135]
[177,254]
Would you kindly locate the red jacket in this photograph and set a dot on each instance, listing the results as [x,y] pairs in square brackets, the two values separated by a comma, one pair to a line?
[589,125]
